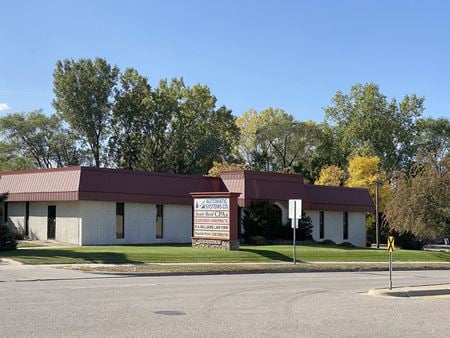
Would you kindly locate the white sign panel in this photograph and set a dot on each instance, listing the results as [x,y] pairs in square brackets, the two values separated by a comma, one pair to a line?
[212,217]
[295,209]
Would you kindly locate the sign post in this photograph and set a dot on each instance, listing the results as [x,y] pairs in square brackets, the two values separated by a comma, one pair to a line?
[390,246]
[295,213]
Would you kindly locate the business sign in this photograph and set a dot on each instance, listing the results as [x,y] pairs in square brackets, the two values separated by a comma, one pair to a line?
[212,218]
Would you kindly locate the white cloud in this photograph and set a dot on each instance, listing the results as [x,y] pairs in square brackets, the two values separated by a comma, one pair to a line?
[3,106]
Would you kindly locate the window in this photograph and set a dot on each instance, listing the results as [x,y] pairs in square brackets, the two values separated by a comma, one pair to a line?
[159,221]
[120,220]
[27,218]
[5,212]
[322,225]
[345,224]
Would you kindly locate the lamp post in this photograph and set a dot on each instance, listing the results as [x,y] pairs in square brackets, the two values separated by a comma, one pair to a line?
[377,223]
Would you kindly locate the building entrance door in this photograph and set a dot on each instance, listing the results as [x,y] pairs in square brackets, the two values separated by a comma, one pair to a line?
[51,222]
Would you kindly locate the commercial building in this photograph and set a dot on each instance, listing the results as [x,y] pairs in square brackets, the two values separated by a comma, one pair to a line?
[95,206]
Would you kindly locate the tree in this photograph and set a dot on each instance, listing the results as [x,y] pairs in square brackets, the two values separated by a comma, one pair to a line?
[366,172]
[219,167]
[331,175]
[173,128]
[325,152]
[434,136]
[35,139]
[420,201]
[83,92]
[12,160]
[272,140]
[132,117]
[247,147]
[365,118]
[198,133]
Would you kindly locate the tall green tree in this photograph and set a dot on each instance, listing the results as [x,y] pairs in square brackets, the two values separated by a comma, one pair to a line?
[83,96]
[173,128]
[272,140]
[199,132]
[434,135]
[35,139]
[253,149]
[365,118]
[11,158]
[133,118]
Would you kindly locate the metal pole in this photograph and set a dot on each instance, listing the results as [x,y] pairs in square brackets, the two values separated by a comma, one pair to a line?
[390,270]
[294,227]
[377,225]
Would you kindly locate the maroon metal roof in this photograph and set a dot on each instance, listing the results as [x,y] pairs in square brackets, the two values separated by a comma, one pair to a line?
[99,184]
[60,184]
[339,198]
[140,186]
[257,186]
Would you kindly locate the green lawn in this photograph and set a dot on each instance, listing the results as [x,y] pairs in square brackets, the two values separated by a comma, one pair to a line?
[187,254]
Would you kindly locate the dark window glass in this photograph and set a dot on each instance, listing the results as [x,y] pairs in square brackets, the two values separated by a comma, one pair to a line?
[5,213]
[51,222]
[345,223]
[120,220]
[27,217]
[159,221]
[322,225]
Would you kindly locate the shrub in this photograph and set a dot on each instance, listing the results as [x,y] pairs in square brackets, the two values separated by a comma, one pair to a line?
[304,231]
[262,219]
[257,240]
[7,238]
[346,245]
[20,234]
[408,241]
[368,244]
[327,242]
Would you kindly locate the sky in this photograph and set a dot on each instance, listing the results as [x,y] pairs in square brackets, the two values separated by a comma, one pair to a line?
[292,55]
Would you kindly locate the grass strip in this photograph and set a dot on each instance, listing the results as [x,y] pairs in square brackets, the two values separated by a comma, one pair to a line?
[187,254]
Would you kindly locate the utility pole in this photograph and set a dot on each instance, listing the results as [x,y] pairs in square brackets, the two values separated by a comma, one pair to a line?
[377,223]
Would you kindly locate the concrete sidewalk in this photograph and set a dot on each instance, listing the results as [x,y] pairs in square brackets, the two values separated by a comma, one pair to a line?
[433,291]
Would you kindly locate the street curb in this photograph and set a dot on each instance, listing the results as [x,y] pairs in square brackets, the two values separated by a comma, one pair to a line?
[412,291]
[233,272]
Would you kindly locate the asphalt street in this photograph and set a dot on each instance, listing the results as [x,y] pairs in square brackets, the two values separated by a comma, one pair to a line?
[43,302]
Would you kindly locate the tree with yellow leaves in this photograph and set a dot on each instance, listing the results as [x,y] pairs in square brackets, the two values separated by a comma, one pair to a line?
[331,175]
[219,167]
[366,172]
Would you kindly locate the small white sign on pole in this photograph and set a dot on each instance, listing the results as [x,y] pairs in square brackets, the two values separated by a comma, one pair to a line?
[295,209]
[295,213]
